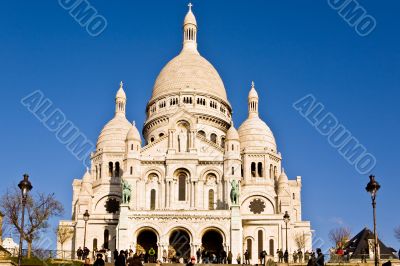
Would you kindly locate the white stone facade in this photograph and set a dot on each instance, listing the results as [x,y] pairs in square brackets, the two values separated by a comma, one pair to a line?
[181,176]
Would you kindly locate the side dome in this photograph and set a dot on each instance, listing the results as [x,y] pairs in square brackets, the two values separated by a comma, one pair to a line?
[232,134]
[114,133]
[254,133]
[133,133]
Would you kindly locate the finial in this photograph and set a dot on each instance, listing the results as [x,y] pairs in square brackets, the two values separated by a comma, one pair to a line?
[252,85]
[190,6]
[121,84]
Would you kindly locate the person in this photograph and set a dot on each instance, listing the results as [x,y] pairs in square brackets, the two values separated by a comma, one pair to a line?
[230,257]
[286,257]
[320,258]
[312,260]
[280,255]
[294,256]
[79,253]
[115,256]
[198,254]
[246,257]
[238,258]
[99,260]
[86,253]
[263,254]
[307,256]
[223,256]
[121,260]
[134,261]
[158,263]
[192,261]
[300,256]
[164,255]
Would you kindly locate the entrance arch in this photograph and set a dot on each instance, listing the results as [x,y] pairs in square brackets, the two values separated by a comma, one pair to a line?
[146,240]
[212,241]
[179,242]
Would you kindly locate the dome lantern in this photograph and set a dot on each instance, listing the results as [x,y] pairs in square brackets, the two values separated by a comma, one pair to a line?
[190,31]
[253,101]
[120,100]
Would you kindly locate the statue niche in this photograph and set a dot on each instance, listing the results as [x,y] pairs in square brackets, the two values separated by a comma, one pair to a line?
[182,131]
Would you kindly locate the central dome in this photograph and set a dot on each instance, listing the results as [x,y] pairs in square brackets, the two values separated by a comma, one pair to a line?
[189,72]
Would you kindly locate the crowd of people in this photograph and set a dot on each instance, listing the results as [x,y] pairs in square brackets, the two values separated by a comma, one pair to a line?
[129,258]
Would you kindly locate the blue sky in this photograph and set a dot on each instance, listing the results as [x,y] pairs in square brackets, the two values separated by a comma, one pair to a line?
[289,48]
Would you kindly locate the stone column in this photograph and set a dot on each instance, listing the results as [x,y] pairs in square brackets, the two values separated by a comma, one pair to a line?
[236,233]
[123,225]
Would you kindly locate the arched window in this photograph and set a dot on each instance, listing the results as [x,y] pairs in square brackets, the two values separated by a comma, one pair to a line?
[97,174]
[213,137]
[249,247]
[100,171]
[275,171]
[222,142]
[233,170]
[161,135]
[110,169]
[131,147]
[152,139]
[117,169]
[202,133]
[233,147]
[106,238]
[294,196]
[182,187]
[271,171]
[153,199]
[271,247]
[131,170]
[94,244]
[253,169]
[211,199]
[260,169]
[260,242]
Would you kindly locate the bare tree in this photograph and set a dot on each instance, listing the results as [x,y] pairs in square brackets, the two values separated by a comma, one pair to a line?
[300,240]
[64,233]
[397,232]
[339,236]
[39,208]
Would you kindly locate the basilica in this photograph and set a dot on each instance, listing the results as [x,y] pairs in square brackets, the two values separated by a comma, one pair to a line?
[190,180]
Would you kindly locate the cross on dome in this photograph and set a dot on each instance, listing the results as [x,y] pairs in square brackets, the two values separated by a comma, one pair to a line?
[252,85]
[190,6]
[121,84]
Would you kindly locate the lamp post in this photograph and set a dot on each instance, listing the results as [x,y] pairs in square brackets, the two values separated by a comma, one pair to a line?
[25,187]
[286,219]
[373,187]
[86,219]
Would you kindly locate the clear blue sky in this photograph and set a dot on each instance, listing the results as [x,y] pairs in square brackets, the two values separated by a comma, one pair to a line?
[289,48]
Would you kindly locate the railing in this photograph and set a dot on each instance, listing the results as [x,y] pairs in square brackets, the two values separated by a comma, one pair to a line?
[44,254]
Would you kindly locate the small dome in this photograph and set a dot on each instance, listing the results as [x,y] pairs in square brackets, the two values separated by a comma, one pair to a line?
[113,135]
[133,133]
[253,93]
[190,18]
[232,134]
[283,179]
[121,92]
[254,133]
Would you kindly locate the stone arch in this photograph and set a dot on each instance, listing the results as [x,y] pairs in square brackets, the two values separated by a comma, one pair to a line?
[248,195]
[98,199]
[265,196]
[207,228]
[211,169]
[155,169]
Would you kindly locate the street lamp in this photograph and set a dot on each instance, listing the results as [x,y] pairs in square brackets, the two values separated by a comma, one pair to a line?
[86,219]
[286,219]
[25,187]
[373,187]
